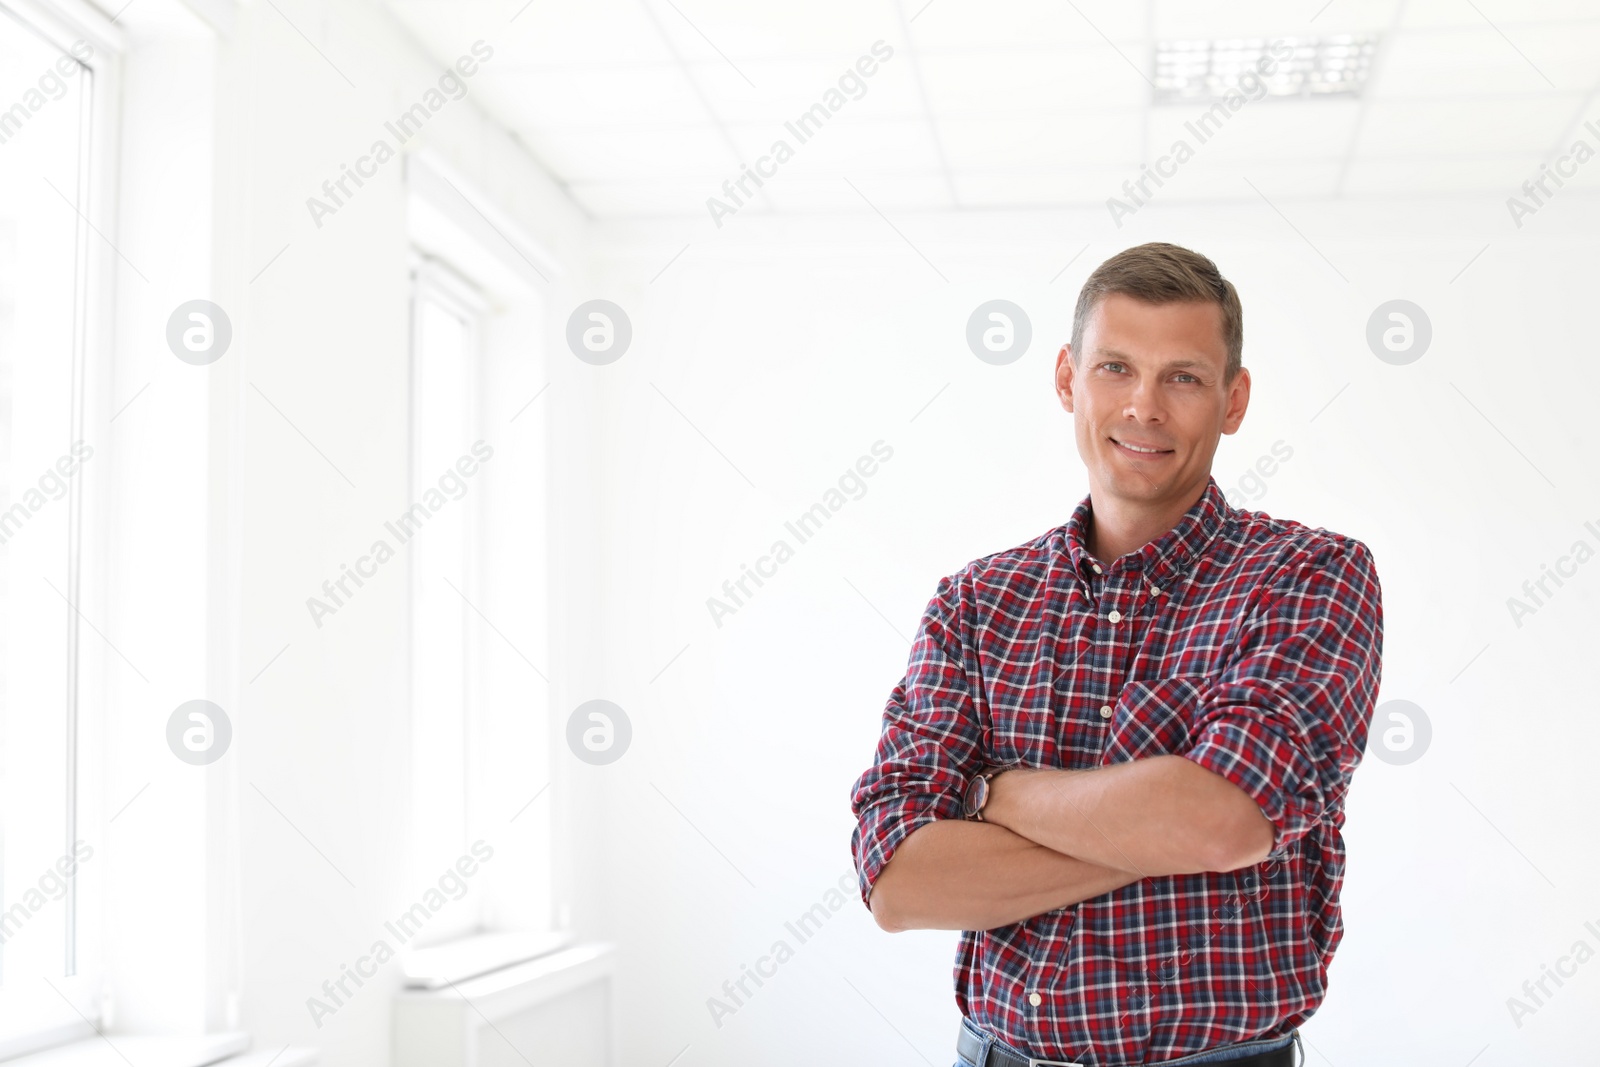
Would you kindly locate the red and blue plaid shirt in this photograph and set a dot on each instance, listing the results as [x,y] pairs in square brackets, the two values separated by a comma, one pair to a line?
[1248,644]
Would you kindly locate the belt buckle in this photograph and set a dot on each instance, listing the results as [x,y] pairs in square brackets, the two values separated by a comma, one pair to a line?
[1034,1061]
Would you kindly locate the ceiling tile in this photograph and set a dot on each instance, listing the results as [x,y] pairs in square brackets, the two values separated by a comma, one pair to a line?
[1505,14]
[1494,174]
[733,31]
[887,193]
[1278,180]
[1487,126]
[1584,176]
[576,97]
[786,88]
[579,154]
[1022,80]
[896,146]
[1048,141]
[596,32]
[636,198]
[1260,129]
[1186,20]
[1039,187]
[1029,23]
[1478,61]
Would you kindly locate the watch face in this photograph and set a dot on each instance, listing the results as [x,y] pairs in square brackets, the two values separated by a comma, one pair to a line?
[977,793]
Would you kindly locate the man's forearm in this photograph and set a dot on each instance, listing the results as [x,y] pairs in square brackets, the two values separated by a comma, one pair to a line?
[959,875]
[1153,817]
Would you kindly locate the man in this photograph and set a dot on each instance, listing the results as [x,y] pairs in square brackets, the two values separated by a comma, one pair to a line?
[1119,755]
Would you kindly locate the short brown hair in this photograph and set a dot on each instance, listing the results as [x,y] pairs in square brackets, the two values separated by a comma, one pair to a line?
[1161,273]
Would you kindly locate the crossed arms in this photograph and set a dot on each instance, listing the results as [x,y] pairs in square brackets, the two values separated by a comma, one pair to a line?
[1216,776]
[1052,838]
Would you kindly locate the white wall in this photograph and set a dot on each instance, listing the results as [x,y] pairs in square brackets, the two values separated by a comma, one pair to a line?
[326,329]
[793,347]
[305,817]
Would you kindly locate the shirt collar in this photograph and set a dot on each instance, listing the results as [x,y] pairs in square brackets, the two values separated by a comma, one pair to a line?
[1169,555]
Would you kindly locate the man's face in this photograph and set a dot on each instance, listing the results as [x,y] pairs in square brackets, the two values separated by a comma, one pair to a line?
[1150,375]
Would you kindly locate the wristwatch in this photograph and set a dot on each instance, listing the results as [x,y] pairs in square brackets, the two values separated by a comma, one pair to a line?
[977,793]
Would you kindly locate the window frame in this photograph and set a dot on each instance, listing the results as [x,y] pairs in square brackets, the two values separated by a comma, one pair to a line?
[525,907]
[57,1016]
[433,278]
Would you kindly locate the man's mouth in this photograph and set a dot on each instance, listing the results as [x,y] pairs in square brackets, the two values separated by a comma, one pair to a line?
[1134,448]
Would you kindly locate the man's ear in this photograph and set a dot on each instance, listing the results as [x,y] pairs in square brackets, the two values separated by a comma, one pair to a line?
[1238,401]
[1064,376]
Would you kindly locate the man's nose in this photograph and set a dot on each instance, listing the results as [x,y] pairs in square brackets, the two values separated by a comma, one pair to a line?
[1145,401]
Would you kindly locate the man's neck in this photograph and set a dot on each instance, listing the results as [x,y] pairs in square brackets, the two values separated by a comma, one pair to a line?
[1118,526]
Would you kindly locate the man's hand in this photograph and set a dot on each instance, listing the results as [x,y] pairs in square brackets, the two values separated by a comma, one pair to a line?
[1151,817]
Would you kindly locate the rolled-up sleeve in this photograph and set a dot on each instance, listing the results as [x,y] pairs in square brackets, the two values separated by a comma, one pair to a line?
[1286,720]
[928,747]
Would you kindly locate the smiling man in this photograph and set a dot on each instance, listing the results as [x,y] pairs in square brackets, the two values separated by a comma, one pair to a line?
[1119,756]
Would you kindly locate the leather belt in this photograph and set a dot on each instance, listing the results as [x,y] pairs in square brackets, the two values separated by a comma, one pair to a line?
[969,1046]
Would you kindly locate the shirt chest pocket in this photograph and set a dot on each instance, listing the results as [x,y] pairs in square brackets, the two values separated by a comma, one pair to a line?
[1153,718]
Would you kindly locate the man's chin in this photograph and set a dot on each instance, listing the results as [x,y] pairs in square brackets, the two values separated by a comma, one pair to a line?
[1136,484]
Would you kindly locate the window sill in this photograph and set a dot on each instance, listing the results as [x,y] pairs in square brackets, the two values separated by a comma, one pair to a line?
[117,1050]
[471,957]
[513,989]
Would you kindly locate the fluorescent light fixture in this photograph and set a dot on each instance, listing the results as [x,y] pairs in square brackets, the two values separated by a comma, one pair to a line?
[1288,67]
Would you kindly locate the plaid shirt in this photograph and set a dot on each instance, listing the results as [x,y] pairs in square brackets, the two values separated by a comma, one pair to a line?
[1248,644]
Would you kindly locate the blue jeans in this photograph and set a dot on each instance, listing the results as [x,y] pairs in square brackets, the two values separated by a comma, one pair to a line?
[1221,1055]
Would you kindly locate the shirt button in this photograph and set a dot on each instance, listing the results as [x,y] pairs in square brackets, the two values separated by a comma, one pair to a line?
[1035,999]
[1114,615]
[1155,589]
[1096,567]
[1105,711]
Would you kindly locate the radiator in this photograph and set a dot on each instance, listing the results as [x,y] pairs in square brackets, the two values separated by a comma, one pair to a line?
[555,1010]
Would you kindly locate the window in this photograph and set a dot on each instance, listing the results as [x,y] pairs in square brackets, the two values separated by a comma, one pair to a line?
[481,728]
[446,336]
[52,95]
